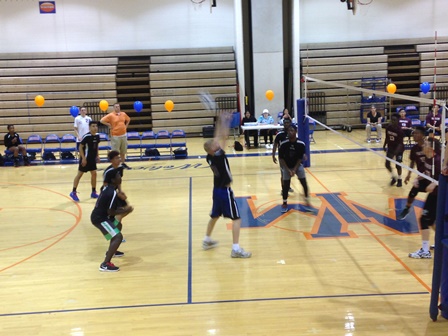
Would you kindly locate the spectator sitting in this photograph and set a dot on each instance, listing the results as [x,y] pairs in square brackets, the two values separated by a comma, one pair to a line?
[247,119]
[266,119]
[373,120]
[405,123]
[433,121]
[286,115]
[14,144]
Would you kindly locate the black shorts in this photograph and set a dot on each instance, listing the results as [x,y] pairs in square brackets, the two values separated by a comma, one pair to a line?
[107,228]
[398,155]
[90,166]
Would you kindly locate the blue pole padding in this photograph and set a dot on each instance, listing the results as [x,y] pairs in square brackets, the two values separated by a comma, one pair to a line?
[440,273]
[303,128]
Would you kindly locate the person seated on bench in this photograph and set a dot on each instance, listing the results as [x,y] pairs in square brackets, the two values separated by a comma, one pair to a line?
[266,119]
[286,115]
[248,118]
[14,144]
[405,123]
[433,121]
[373,120]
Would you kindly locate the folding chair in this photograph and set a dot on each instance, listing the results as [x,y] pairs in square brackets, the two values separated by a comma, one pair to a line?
[68,147]
[178,139]
[235,124]
[163,140]
[34,144]
[134,141]
[52,144]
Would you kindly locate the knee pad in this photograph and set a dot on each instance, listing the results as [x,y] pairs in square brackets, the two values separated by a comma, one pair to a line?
[426,221]
[413,192]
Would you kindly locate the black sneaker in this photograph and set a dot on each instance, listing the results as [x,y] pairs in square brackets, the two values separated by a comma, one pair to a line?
[393,181]
[118,254]
[108,267]
[124,165]
[399,183]
[404,213]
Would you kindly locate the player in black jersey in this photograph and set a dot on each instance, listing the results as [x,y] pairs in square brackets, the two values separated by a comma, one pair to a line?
[224,203]
[115,160]
[281,136]
[88,151]
[14,144]
[290,154]
[102,217]
[395,148]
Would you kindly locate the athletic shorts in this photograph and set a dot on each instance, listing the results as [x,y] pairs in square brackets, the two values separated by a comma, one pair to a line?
[119,143]
[107,228]
[224,204]
[300,173]
[398,155]
[90,166]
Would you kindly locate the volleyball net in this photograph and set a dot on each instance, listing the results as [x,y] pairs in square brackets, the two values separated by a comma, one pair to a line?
[347,106]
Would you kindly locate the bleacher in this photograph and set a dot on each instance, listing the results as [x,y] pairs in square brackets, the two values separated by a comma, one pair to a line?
[84,78]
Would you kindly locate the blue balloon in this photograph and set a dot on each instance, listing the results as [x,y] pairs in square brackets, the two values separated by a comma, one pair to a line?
[74,111]
[138,105]
[425,87]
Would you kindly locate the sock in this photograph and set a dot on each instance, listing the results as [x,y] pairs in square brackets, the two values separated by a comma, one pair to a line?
[425,245]
[93,190]
[285,201]
[399,177]
[207,239]
[236,247]
[74,190]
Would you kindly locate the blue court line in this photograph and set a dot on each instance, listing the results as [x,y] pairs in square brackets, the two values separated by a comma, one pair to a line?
[209,302]
[190,240]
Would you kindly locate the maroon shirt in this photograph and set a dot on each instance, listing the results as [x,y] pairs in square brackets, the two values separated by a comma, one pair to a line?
[429,163]
[434,120]
[406,122]
[394,139]
[418,157]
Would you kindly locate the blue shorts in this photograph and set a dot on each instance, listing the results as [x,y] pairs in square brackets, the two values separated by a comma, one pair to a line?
[224,204]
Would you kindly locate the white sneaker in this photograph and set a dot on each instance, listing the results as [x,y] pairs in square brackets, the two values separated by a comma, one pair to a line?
[420,254]
[378,140]
[207,245]
[368,140]
[240,254]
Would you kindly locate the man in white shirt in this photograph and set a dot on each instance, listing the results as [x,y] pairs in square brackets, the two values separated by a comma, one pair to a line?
[81,125]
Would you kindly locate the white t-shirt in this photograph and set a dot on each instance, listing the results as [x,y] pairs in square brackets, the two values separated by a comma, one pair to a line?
[82,124]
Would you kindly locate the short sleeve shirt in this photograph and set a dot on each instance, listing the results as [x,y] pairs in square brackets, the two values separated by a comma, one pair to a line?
[117,122]
[394,136]
[82,125]
[90,143]
[221,169]
[418,157]
[374,119]
[107,200]
[291,152]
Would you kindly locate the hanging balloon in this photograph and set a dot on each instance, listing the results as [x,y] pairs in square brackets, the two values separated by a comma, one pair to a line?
[39,100]
[104,105]
[74,111]
[269,94]
[169,105]
[425,87]
[138,105]
[391,88]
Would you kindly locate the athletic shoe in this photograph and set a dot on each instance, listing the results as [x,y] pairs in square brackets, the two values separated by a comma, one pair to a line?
[93,194]
[378,140]
[207,245]
[124,165]
[291,190]
[123,240]
[404,213]
[240,254]
[420,254]
[74,196]
[399,183]
[432,247]
[368,140]
[393,181]
[118,254]
[284,208]
[108,267]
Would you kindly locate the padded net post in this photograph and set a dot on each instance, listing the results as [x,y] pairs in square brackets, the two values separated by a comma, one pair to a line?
[303,129]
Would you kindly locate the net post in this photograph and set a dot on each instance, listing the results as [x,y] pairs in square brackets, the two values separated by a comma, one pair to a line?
[440,273]
[303,128]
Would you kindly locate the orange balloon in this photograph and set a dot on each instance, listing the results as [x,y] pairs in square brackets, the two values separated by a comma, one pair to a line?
[104,105]
[39,100]
[270,94]
[391,88]
[169,105]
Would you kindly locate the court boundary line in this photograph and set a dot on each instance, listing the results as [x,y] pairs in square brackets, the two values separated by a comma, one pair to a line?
[289,298]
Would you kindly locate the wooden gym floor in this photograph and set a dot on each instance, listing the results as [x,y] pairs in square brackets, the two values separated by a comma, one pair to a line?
[342,271]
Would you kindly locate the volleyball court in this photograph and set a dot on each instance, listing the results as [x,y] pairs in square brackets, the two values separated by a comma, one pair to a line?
[426,143]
